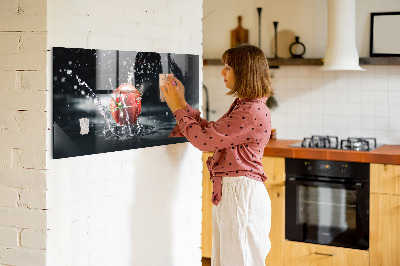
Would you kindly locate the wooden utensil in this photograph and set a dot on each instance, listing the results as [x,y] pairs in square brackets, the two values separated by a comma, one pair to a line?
[239,35]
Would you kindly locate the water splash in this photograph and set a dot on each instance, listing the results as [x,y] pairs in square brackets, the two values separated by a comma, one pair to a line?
[131,75]
[111,130]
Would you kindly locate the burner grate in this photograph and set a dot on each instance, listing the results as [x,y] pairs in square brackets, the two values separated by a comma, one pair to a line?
[332,142]
[327,142]
[358,144]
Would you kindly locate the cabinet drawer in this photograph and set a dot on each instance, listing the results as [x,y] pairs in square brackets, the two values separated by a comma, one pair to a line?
[305,254]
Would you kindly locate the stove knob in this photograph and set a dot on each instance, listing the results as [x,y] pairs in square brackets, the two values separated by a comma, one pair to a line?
[343,168]
[308,166]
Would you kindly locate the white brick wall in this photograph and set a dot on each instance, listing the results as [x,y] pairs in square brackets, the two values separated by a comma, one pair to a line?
[23,127]
[9,237]
[33,239]
[23,178]
[107,209]
[8,197]
[24,256]
[23,218]
[137,207]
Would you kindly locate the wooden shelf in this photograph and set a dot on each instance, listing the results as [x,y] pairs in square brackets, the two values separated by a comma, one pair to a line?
[212,62]
[273,63]
[380,61]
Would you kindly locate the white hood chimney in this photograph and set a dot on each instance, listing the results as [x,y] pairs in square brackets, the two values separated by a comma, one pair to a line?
[341,51]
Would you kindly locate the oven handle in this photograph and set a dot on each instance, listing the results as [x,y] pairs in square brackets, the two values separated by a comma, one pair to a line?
[357,185]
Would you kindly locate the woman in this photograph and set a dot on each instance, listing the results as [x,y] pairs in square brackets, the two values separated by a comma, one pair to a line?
[242,208]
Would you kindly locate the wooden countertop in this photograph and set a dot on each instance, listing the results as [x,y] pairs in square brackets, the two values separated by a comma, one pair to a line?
[389,154]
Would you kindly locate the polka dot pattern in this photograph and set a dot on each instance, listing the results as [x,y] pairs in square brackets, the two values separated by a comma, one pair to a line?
[238,139]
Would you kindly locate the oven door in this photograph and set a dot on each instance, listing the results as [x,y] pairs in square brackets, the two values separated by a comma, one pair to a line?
[327,213]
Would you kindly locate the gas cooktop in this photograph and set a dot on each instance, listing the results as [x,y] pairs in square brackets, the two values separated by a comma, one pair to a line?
[332,142]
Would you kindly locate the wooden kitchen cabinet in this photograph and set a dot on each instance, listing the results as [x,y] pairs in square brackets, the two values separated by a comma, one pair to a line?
[274,168]
[385,178]
[305,254]
[277,233]
[384,236]
[206,225]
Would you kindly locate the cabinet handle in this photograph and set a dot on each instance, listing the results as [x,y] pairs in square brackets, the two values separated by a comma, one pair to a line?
[325,254]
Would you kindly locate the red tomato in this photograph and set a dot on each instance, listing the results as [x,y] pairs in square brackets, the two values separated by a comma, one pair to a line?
[126,104]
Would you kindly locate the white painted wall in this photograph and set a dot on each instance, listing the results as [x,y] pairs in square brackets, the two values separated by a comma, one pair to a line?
[136,207]
[311,102]
[305,18]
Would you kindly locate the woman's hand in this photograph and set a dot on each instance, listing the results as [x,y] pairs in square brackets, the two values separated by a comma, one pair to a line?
[181,90]
[174,97]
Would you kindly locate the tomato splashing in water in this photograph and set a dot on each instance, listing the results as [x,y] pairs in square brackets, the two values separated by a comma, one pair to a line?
[126,104]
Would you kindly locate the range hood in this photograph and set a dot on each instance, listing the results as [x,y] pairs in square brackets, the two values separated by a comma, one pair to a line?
[341,51]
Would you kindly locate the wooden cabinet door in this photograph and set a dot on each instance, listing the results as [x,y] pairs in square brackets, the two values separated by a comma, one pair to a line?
[274,168]
[206,226]
[277,233]
[305,254]
[384,236]
[385,178]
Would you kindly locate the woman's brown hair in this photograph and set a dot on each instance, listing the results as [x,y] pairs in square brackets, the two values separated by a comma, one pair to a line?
[250,66]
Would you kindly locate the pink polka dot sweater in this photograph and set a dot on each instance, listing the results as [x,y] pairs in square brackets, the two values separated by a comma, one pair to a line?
[238,139]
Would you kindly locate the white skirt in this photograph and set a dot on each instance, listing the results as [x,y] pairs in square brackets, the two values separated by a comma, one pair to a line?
[241,223]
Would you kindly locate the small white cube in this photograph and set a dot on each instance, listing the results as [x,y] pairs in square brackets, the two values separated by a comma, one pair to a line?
[84,123]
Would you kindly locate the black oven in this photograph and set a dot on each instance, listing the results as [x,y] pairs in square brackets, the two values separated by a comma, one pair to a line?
[327,202]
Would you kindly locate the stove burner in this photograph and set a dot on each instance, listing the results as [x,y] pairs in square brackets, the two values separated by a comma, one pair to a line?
[358,144]
[328,142]
[332,142]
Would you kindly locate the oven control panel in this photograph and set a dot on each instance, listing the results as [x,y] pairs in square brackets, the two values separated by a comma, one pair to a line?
[325,167]
[338,169]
